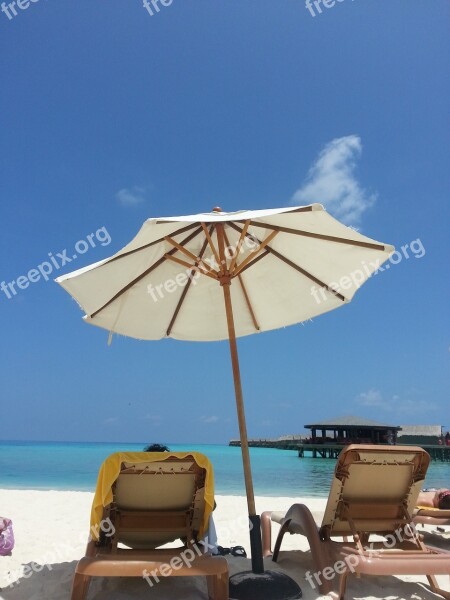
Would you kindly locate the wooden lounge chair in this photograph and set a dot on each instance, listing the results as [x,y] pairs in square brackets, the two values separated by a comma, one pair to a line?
[144,500]
[431,516]
[374,491]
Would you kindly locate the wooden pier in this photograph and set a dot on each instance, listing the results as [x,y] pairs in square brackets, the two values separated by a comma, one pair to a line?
[289,442]
[320,450]
[330,450]
[439,453]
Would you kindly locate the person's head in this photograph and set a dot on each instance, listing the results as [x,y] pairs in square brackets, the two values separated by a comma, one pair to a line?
[156,448]
[444,500]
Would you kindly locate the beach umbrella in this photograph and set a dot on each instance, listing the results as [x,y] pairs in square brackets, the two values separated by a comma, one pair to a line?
[220,276]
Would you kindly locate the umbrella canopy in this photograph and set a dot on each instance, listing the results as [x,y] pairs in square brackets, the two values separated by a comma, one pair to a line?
[174,279]
[290,265]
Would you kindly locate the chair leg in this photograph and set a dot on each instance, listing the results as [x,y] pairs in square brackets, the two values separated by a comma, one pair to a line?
[435,587]
[218,586]
[283,530]
[342,585]
[266,530]
[80,586]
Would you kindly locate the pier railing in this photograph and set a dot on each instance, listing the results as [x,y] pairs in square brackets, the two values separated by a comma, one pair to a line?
[329,450]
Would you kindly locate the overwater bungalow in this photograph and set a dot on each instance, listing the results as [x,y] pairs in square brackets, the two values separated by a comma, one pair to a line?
[352,430]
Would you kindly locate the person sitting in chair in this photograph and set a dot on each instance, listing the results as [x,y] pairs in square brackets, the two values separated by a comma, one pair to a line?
[211,535]
[156,448]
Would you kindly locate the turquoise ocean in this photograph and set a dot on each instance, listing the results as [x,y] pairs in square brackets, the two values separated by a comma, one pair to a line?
[74,466]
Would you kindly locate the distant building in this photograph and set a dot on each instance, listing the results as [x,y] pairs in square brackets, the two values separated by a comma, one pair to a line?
[420,434]
[350,430]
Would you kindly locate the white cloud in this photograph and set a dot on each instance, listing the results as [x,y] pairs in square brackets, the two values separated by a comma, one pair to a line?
[397,405]
[210,419]
[153,418]
[373,398]
[110,420]
[131,196]
[331,181]
[410,406]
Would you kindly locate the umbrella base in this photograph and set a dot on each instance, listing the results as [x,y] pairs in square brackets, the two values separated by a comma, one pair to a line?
[270,585]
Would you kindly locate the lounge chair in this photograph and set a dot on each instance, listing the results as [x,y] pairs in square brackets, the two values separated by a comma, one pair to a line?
[374,491]
[144,500]
[431,516]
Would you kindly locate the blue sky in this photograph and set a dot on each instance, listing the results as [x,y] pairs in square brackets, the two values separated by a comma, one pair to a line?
[110,115]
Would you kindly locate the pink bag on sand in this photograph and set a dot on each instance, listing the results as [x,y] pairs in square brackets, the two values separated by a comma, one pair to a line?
[6,536]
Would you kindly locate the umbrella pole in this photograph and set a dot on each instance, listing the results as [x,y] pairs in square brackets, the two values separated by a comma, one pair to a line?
[267,584]
[254,519]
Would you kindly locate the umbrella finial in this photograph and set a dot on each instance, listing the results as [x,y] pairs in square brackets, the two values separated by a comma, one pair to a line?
[217,209]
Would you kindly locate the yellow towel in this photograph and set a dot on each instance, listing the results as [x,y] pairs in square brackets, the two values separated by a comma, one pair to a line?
[110,469]
[434,513]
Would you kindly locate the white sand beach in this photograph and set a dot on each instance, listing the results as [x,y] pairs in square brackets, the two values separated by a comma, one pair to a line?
[51,529]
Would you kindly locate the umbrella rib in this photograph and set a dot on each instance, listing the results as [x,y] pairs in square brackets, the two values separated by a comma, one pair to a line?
[210,242]
[145,273]
[177,232]
[254,261]
[297,268]
[249,304]
[193,257]
[253,255]
[307,274]
[241,281]
[187,286]
[190,266]
[238,246]
[320,236]
[253,239]
[180,248]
